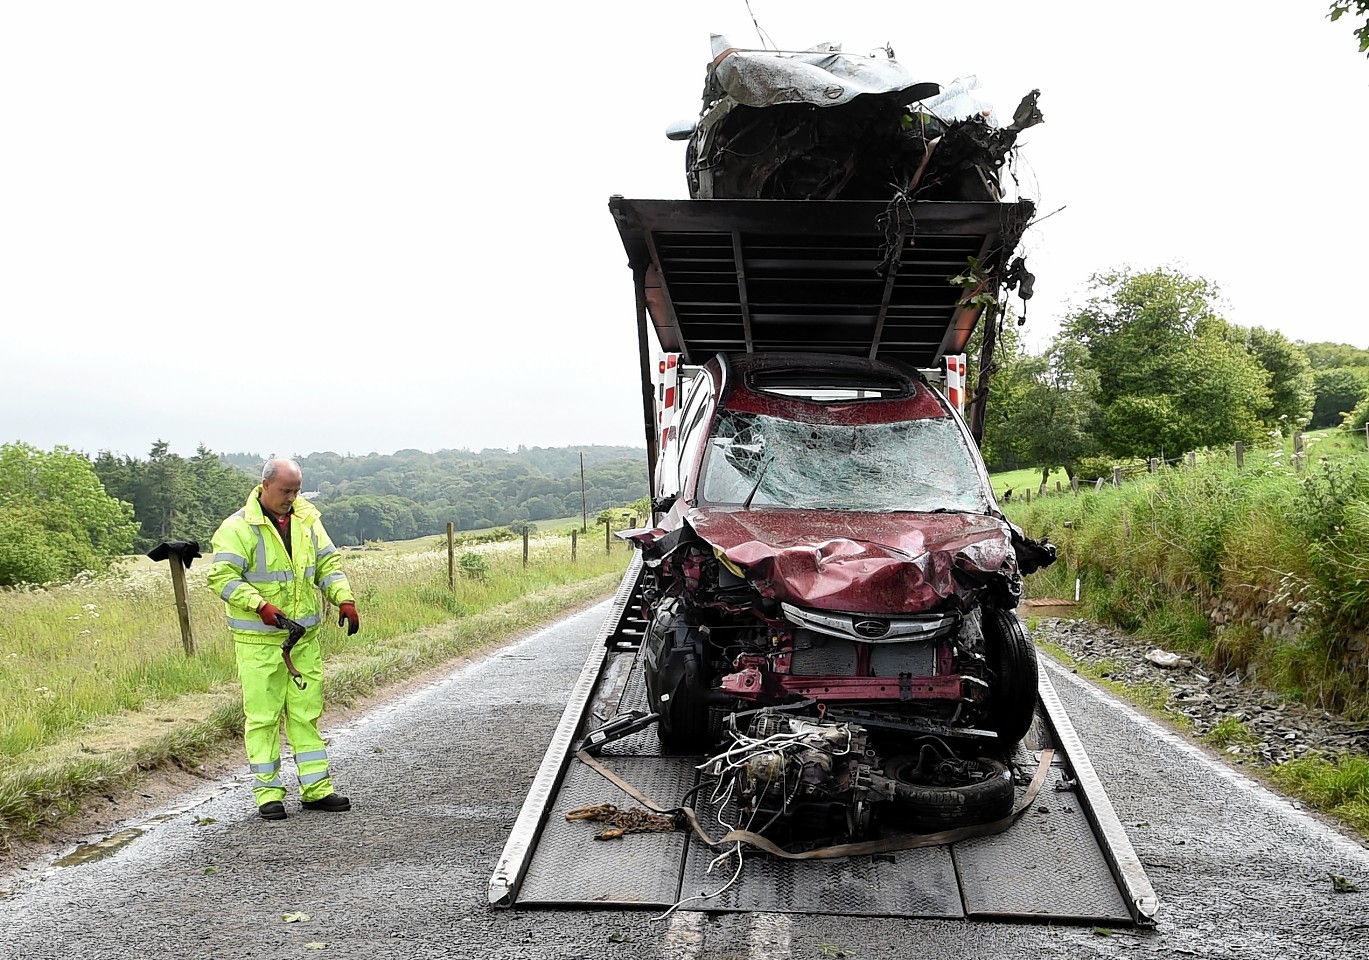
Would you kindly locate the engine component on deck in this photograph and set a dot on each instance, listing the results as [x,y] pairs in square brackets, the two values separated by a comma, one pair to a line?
[804,778]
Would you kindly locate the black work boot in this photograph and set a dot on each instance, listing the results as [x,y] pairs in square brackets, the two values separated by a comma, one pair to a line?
[272,810]
[333,803]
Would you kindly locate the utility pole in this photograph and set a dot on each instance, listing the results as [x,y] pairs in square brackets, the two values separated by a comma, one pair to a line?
[584,507]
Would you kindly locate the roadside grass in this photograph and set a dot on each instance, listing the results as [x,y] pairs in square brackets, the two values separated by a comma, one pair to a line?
[1156,555]
[1230,731]
[1339,787]
[95,686]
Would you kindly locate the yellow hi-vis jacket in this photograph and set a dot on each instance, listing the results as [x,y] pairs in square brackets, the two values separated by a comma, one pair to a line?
[251,566]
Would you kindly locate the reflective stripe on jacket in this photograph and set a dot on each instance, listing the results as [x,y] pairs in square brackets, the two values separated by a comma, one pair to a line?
[250,565]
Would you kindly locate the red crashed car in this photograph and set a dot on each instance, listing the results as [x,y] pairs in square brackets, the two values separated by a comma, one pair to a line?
[831,547]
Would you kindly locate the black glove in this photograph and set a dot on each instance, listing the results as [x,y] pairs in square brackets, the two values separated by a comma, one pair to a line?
[296,629]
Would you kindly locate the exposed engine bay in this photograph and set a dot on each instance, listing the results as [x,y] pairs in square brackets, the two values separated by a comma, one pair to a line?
[804,781]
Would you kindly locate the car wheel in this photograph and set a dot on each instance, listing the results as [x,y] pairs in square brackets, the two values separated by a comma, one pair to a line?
[983,795]
[1013,676]
[684,726]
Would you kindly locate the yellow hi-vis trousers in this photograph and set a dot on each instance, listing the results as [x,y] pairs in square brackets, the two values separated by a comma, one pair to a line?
[267,693]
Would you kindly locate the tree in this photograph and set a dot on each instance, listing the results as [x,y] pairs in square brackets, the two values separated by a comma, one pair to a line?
[175,498]
[1360,8]
[1326,355]
[1337,392]
[1059,419]
[55,518]
[1357,418]
[1172,374]
[1135,325]
[1003,443]
[1291,389]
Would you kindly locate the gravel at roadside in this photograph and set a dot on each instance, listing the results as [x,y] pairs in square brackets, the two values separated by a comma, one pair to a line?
[1280,730]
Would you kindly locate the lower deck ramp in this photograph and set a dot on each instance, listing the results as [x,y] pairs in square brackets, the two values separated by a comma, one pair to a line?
[1062,861]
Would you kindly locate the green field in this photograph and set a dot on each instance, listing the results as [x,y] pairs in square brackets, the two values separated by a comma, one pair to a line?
[94,679]
[1020,481]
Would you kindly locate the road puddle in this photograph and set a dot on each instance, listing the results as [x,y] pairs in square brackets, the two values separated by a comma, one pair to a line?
[91,852]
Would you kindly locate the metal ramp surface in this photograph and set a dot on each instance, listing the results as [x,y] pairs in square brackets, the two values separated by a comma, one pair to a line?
[1066,859]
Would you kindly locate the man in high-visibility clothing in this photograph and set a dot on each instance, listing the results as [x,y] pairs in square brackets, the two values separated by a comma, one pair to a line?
[271,560]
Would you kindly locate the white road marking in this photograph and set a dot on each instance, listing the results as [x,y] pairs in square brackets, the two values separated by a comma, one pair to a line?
[770,936]
[1257,791]
[684,939]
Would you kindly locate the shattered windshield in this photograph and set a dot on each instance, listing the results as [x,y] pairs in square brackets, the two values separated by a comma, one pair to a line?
[911,465]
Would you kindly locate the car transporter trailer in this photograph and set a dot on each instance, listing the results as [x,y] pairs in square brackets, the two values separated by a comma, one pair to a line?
[756,275]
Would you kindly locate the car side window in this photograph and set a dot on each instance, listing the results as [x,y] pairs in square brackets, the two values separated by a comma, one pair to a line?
[693,426]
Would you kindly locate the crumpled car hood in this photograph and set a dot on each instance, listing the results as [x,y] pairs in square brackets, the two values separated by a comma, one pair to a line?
[861,562]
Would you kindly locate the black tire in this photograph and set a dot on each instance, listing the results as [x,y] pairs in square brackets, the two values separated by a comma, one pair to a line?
[684,726]
[930,808]
[1013,674]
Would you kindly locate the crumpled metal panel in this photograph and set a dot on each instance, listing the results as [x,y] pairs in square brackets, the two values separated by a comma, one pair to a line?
[822,76]
[860,562]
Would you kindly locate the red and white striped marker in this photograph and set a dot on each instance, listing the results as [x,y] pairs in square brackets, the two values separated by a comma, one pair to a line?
[955,381]
[667,394]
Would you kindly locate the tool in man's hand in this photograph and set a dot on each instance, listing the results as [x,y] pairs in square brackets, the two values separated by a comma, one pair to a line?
[296,634]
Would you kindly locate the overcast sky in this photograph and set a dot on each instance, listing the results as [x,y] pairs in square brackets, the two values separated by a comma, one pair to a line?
[293,227]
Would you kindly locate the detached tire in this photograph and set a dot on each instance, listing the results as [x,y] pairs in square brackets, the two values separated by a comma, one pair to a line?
[1012,666]
[931,808]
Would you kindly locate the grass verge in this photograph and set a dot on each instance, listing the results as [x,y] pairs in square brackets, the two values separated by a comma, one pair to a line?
[145,705]
[1265,546]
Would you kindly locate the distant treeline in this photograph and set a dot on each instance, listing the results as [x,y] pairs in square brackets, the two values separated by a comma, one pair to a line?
[377,497]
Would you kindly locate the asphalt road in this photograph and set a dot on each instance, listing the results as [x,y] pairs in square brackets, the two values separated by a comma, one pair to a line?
[437,779]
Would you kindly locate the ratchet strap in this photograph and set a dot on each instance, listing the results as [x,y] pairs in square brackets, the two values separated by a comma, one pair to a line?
[863,848]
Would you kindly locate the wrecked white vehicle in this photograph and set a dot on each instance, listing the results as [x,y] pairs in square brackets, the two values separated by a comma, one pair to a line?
[821,124]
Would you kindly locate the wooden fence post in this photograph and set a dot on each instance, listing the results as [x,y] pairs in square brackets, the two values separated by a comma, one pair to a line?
[1058,488]
[182,603]
[1297,442]
[574,543]
[1116,476]
[1074,483]
[1152,465]
[451,555]
[1192,459]
[1097,487]
[525,544]
[1029,494]
[1240,455]
[608,536]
